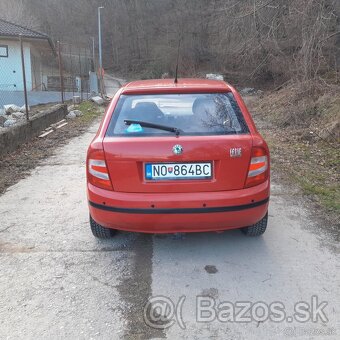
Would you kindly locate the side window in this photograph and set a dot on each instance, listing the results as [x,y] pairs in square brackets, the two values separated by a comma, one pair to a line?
[3,51]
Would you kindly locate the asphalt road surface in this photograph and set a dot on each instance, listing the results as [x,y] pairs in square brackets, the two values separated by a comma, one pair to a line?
[58,282]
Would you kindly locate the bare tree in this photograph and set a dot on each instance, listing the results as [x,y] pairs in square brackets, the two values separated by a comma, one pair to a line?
[17,12]
[249,40]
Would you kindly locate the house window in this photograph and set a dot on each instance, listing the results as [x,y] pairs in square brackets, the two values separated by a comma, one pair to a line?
[4,51]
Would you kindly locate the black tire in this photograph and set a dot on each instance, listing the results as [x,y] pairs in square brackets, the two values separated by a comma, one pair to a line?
[256,229]
[100,231]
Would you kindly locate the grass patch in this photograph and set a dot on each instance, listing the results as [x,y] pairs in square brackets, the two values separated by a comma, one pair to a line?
[312,167]
[329,196]
[90,111]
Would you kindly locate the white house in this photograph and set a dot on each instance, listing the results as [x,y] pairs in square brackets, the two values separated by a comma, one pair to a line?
[38,51]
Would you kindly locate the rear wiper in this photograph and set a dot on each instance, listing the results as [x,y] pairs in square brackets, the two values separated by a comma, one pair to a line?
[153,126]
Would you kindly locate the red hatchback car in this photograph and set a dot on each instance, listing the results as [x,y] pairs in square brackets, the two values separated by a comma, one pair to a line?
[177,157]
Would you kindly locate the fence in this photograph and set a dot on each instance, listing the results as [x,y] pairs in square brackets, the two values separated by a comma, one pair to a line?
[34,72]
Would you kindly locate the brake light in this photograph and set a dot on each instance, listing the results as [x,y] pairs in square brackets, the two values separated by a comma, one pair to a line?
[258,167]
[97,171]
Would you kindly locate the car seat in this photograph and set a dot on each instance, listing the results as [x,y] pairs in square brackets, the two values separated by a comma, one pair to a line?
[148,111]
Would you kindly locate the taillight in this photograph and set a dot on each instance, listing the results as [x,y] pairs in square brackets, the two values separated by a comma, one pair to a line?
[258,167]
[97,171]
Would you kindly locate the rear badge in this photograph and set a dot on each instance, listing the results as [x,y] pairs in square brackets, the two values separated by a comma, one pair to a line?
[177,149]
[235,152]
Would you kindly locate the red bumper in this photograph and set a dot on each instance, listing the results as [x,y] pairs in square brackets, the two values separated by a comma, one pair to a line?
[178,212]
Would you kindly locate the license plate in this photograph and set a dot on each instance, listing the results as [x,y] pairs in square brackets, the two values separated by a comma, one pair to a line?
[178,171]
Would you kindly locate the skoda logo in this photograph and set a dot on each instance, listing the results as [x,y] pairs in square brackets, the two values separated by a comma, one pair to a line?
[177,149]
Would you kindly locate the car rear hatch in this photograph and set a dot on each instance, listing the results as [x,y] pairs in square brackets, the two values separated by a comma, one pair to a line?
[211,151]
[127,161]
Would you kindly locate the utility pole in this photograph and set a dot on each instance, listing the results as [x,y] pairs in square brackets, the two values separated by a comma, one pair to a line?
[60,62]
[93,53]
[100,51]
[24,76]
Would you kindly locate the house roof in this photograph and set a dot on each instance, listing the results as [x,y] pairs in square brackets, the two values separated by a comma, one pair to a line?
[9,29]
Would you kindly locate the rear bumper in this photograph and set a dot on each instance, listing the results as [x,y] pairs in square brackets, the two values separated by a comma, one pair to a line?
[178,212]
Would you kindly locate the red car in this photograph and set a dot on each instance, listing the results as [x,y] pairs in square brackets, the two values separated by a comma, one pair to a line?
[177,157]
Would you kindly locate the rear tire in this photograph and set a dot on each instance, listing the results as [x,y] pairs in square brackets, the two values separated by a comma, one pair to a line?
[100,231]
[256,229]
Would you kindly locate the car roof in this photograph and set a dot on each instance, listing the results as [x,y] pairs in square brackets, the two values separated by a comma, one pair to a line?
[184,85]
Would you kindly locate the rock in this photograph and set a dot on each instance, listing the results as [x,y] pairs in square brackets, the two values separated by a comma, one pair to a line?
[2,112]
[11,108]
[18,115]
[98,100]
[23,109]
[78,113]
[248,91]
[9,122]
[75,113]
[2,120]
[71,108]
[71,115]
[214,76]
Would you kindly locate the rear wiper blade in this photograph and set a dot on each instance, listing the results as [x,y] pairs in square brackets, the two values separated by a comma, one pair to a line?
[153,126]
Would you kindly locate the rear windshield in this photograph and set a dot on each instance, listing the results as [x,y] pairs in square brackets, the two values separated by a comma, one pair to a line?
[189,114]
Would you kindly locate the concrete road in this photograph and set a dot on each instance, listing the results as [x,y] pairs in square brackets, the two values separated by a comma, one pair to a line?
[57,281]
[112,84]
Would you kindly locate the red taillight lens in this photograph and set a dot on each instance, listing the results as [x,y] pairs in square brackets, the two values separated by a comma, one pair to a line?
[97,171]
[258,167]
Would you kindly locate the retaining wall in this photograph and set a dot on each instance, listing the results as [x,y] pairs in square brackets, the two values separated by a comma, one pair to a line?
[14,136]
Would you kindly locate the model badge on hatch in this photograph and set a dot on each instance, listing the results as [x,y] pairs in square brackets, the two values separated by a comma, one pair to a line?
[235,152]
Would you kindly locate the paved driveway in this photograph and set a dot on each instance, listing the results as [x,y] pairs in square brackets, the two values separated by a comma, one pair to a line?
[57,281]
